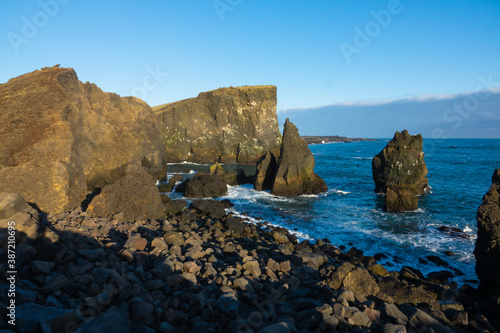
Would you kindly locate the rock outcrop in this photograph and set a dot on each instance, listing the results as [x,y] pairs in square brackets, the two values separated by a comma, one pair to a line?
[399,172]
[487,251]
[293,174]
[61,137]
[227,125]
[205,186]
[135,195]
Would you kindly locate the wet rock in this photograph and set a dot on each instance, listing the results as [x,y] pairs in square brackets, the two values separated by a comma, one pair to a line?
[487,250]
[399,172]
[205,186]
[437,260]
[295,171]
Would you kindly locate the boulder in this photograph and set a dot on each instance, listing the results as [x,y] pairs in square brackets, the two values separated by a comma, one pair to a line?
[61,136]
[212,208]
[295,171]
[228,177]
[399,172]
[264,172]
[487,250]
[135,195]
[227,125]
[29,230]
[205,186]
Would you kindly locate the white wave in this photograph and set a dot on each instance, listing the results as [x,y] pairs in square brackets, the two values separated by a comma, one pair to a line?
[339,191]
[363,158]
[467,229]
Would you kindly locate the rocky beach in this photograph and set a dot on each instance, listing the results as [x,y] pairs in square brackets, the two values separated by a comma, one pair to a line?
[95,242]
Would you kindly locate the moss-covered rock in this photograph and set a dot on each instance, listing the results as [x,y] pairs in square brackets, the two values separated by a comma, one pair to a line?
[399,171]
[226,125]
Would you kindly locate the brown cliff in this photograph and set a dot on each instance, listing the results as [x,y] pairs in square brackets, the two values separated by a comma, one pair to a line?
[227,125]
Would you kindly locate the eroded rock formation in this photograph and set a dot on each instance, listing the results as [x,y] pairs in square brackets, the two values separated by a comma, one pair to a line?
[61,137]
[293,174]
[487,251]
[227,125]
[399,172]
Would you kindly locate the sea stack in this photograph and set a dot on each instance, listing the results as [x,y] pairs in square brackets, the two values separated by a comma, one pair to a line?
[294,172]
[399,172]
[226,125]
[487,251]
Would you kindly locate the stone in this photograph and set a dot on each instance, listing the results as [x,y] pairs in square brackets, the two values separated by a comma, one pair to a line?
[399,171]
[61,136]
[265,170]
[135,195]
[205,186]
[228,303]
[114,320]
[252,268]
[295,171]
[357,317]
[175,207]
[487,249]
[136,242]
[214,209]
[228,177]
[421,319]
[32,317]
[313,260]
[159,244]
[41,267]
[174,238]
[235,225]
[226,125]
[243,285]
[390,312]
[377,269]
[391,328]
[140,311]
[166,328]
[276,328]
[58,283]
[32,236]
[360,282]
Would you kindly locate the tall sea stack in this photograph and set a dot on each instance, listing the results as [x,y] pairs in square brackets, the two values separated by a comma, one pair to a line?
[487,251]
[293,174]
[399,172]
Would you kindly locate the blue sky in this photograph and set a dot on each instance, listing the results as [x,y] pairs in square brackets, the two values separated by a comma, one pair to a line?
[356,54]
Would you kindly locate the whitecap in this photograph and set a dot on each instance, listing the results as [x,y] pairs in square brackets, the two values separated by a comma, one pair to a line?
[467,229]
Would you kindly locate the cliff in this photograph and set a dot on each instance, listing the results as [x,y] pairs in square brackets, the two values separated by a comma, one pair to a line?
[227,125]
[61,137]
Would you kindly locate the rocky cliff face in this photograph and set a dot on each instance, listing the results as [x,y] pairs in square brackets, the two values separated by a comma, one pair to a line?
[399,171]
[293,174]
[487,251]
[227,125]
[61,137]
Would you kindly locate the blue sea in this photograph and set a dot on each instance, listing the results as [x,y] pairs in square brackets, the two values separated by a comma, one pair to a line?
[350,213]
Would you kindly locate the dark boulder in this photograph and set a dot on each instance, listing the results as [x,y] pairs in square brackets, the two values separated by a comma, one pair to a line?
[135,195]
[170,185]
[399,172]
[214,209]
[487,251]
[295,167]
[205,186]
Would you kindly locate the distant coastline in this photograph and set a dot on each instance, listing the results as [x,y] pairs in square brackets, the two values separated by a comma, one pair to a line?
[313,140]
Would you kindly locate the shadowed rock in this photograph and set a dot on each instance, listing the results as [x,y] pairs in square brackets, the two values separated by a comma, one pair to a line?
[265,171]
[226,125]
[399,172]
[487,251]
[205,186]
[61,136]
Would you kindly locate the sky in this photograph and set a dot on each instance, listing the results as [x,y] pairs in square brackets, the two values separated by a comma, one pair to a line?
[337,60]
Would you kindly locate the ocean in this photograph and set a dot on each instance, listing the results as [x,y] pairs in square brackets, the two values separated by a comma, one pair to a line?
[350,213]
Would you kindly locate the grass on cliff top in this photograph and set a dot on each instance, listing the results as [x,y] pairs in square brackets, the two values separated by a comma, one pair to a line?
[158,108]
